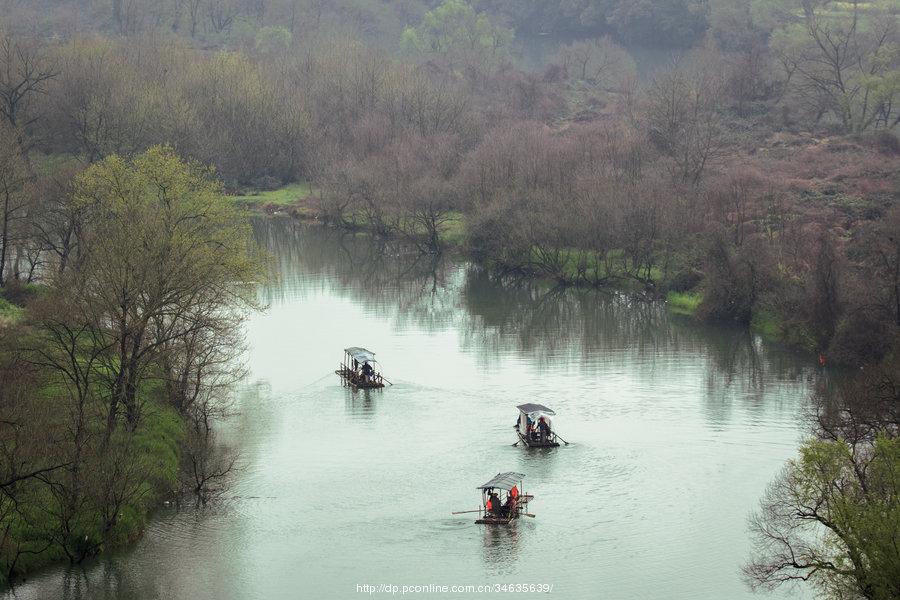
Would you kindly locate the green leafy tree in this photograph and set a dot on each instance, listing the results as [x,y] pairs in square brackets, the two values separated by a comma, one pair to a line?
[455,27]
[833,518]
[161,247]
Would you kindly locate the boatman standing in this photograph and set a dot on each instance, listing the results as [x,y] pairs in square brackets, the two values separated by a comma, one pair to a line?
[543,429]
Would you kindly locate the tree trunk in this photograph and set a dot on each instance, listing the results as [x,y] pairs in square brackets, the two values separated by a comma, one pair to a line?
[117,13]
[4,236]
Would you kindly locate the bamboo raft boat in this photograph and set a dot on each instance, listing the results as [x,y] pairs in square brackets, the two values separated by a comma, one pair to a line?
[495,510]
[533,426]
[359,369]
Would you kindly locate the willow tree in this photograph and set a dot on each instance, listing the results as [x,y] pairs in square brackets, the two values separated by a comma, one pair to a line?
[164,256]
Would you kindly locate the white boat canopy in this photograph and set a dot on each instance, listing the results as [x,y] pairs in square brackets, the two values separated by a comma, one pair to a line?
[535,408]
[503,481]
[360,354]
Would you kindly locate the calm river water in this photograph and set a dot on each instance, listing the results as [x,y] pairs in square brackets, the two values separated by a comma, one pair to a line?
[675,431]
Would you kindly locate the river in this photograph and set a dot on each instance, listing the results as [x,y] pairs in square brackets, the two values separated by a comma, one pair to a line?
[675,431]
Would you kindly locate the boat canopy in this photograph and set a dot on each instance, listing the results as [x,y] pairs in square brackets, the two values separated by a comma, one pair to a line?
[535,408]
[503,481]
[360,354]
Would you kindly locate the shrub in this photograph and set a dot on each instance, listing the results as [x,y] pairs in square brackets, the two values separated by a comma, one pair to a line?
[884,142]
[267,183]
[862,337]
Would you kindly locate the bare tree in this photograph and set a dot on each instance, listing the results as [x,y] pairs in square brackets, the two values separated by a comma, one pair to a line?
[600,61]
[843,63]
[13,198]
[222,14]
[24,73]
[683,119]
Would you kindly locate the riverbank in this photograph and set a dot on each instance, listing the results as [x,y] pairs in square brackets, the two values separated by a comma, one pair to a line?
[618,373]
[116,368]
[293,198]
[30,533]
[575,267]
[65,523]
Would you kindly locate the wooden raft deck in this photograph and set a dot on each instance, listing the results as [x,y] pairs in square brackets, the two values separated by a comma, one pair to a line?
[536,444]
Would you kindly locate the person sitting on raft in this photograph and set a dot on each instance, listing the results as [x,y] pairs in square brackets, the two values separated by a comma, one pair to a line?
[509,508]
[496,507]
[368,371]
[489,505]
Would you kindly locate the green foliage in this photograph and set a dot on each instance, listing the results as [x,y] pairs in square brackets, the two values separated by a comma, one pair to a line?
[865,521]
[844,59]
[270,40]
[55,523]
[9,313]
[165,269]
[162,247]
[834,518]
[766,323]
[454,230]
[454,26]
[162,206]
[684,303]
[283,196]
[157,441]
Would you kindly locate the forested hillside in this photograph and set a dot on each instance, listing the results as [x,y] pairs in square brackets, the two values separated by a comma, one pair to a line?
[748,171]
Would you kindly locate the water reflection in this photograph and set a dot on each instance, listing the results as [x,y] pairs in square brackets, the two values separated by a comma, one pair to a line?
[361,402]
[675,430]
[503,316]
[384,273]
[501,548]
[101,580]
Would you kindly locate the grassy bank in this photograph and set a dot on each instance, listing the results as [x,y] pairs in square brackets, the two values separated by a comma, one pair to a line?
[9,313]
[39,535]
[290,195]
[57,520]
[569,266]
[566,266]
[684,303]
